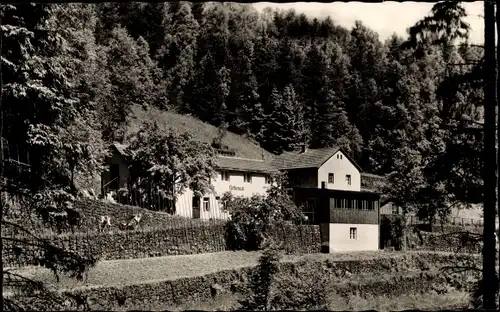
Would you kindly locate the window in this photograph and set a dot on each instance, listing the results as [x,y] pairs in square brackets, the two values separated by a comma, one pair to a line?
[310,209]
[353,233]
[359,204]
[348,179]
[364,205]
[247,177]
[224,176]
[330,178]
[395,209]
[206,204]
[219,204]
[268,179]
[371,205]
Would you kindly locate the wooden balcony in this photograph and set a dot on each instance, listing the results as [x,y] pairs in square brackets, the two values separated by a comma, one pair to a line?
[353,216]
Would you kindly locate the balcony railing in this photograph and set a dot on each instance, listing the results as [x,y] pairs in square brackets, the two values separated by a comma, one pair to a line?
[353,216]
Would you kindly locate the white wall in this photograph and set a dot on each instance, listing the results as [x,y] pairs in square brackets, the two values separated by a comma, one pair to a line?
[236,181]
[340,168]
[184,205]
[367,237]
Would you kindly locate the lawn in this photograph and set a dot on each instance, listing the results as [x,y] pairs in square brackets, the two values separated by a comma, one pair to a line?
[149,270]
[153,272]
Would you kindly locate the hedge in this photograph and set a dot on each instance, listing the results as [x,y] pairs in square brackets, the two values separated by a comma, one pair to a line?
[452,241]
[90,216]
[202,238]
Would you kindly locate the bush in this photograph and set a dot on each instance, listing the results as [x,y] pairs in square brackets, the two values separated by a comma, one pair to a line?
[392,231]
[253,219]
[261,282]
[296,293]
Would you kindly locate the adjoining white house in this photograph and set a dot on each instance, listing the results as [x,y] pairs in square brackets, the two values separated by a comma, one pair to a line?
[326,182]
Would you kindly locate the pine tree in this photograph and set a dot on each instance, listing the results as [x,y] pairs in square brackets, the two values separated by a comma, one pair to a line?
[285,127]
[131,81]
[209,90]
[177,55]
[244,96]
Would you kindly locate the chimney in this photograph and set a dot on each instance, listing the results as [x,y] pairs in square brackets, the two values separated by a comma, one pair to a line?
[303,148]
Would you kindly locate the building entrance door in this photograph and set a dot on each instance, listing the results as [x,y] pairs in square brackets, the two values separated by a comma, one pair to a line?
[196,207]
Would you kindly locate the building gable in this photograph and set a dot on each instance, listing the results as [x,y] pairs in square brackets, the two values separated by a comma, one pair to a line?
[339,173]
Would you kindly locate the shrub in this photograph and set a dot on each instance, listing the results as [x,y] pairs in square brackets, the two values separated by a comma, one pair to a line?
[261,282]
[298,293]
[392,229]
[253,219]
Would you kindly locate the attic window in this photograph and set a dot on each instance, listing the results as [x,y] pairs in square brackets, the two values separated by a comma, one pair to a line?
[226,152]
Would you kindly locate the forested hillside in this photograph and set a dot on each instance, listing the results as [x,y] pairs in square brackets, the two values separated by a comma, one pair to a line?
[402,108]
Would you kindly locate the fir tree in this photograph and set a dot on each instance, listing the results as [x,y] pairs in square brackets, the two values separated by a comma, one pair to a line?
[285,127]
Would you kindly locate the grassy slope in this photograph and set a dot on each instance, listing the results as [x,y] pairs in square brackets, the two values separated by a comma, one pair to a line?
[202,131]
[146,270]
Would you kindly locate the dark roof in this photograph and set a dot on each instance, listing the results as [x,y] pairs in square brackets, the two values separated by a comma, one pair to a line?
[223,162]
[311,158]
[120,147]
[371,175]
[241,164]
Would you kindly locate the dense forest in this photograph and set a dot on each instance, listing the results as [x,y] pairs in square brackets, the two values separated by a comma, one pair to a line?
[404,108]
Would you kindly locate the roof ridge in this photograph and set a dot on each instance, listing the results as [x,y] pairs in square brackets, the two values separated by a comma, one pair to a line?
[242,158]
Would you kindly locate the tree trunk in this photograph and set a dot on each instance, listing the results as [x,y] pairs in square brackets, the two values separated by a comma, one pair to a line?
[498,119]
[489,174]
[172,205]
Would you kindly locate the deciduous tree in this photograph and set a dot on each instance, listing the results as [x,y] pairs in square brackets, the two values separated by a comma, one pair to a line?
[166,163]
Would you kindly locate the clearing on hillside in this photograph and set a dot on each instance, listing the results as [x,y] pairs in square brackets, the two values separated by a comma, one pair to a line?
[200,130]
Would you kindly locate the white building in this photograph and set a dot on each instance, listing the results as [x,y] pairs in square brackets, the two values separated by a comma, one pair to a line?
[239,176]
[326,182]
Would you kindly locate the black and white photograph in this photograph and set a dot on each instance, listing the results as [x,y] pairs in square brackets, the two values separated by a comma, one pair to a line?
[255,156]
